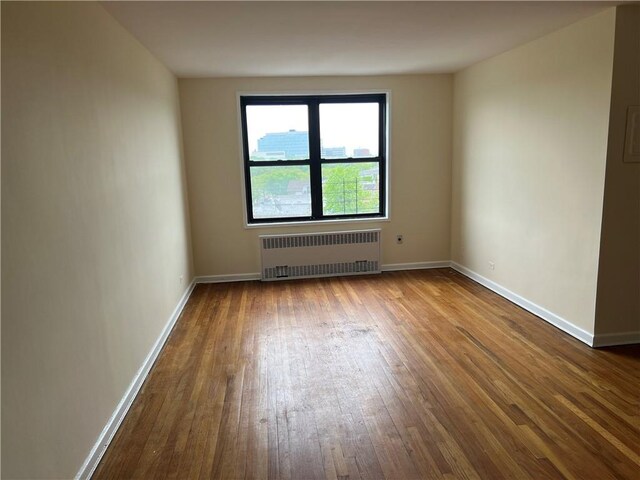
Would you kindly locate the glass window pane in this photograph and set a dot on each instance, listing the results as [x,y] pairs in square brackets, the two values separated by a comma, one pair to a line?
[278,132]
[350,188]
[280,191]
[349,130]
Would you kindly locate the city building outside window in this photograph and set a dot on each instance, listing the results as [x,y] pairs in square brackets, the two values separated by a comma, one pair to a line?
[314,157]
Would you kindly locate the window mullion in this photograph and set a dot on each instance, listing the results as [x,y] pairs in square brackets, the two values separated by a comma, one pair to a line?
[315,154]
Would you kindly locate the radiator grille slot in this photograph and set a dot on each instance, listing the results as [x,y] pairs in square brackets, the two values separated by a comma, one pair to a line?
[320,254]
[319,240]
[325,269]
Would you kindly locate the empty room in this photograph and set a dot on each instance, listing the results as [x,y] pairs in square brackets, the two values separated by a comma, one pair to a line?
[320,240]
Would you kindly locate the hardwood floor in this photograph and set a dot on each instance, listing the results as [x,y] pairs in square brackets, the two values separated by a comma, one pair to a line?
[404,375]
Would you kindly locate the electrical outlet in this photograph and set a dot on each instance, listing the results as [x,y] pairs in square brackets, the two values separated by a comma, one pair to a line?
[181,279]
[399,239]
[492,265]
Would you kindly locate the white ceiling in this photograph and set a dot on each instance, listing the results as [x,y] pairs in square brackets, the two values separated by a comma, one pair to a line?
[221,39]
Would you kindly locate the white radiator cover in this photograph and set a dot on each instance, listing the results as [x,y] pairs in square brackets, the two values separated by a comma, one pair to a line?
[327,254]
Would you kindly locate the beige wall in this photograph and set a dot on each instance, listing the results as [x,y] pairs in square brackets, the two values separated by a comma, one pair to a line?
[420,168]
[618,301]
[95,230]
[530,138]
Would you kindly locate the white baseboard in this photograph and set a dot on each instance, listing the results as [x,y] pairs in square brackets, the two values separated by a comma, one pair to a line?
[244,277]
[393,267]
[613,339]
[537,310]
[105,437]
[232,277]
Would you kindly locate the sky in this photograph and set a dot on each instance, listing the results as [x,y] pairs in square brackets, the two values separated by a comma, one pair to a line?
[350,125]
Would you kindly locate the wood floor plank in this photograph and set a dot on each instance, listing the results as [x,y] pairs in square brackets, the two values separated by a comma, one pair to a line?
[404,375]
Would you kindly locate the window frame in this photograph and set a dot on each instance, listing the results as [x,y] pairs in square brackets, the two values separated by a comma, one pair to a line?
[315,161]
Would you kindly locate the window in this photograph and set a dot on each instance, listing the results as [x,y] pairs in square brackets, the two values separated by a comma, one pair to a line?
[314,157]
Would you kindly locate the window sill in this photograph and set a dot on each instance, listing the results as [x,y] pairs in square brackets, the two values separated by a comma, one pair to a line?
[316,222]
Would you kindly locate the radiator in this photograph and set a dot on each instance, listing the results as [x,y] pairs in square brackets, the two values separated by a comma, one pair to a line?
[320,254]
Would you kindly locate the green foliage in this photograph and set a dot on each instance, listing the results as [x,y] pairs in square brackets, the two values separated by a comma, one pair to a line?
[268,181]
[347,189]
